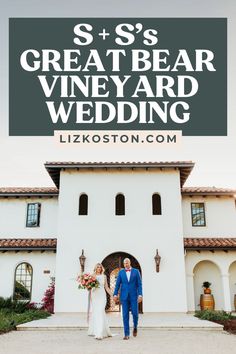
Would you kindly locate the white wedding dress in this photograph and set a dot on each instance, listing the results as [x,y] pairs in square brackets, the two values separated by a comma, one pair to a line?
[98,324]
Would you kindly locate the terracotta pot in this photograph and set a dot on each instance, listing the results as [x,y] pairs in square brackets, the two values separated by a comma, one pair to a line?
[207,302]
[207,291]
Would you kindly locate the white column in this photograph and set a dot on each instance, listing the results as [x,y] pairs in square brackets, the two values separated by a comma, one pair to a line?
[226,292]
[190,292]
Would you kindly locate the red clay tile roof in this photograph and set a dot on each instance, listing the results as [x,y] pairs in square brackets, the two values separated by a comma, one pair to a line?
[54,191]
[208,190]
[27,244]
[118,163]
[54,167]
[44,191]
[209,243]
[8,191]
[51,243]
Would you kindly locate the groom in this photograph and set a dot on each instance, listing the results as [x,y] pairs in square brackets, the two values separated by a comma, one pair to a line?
[129,280]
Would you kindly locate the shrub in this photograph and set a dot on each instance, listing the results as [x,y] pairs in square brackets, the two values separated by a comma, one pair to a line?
[14,305]
[10,319]
[212,315]
[48,299]
[34,306]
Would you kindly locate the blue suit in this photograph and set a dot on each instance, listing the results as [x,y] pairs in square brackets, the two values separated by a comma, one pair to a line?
[129,292]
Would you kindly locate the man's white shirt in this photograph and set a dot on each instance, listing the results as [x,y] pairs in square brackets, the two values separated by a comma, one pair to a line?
[128,274]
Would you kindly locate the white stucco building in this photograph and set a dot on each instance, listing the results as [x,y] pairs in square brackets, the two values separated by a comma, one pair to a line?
[114,210]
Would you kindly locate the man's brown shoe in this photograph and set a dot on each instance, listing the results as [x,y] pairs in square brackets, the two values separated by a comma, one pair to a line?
[135,332]
[126,337]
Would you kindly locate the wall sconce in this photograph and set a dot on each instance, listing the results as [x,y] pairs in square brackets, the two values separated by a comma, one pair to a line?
[82,259]
[157,261]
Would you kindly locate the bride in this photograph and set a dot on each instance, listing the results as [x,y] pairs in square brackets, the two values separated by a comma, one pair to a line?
[98,325]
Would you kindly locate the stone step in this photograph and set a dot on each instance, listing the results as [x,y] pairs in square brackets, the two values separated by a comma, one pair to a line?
[78,321]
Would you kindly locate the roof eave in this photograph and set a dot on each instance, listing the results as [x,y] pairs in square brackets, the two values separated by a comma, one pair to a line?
[29,194]
[231,194]
[27,248]
[215,248]
[54,170]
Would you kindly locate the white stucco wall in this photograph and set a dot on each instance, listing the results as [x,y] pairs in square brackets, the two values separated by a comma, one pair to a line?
[13,213]
[39,261]
[220,217]
[138,233]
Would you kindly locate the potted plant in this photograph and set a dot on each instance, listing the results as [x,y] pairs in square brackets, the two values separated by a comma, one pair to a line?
[206,285]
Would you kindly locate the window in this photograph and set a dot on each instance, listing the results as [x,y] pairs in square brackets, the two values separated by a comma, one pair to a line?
[33,214]
[120,204]
[198,214]
[156,204]
[23,282]
[83,204]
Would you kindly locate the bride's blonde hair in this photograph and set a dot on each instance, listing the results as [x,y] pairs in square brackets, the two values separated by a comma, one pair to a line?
[99,265]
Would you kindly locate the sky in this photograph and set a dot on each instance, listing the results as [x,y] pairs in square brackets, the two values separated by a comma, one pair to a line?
[22,158]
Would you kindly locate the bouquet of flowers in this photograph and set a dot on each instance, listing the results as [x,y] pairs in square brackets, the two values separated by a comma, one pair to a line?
[87,281]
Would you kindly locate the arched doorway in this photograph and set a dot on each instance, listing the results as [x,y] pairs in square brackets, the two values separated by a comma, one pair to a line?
[112,264]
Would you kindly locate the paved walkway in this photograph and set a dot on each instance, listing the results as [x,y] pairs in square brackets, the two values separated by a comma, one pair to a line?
[77,321]
[150,341]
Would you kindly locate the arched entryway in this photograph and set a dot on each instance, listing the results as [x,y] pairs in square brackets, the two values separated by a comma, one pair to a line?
[112,264]
[207,270]
[232,283]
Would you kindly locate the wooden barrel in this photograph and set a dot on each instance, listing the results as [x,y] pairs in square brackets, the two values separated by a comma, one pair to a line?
[207,302]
